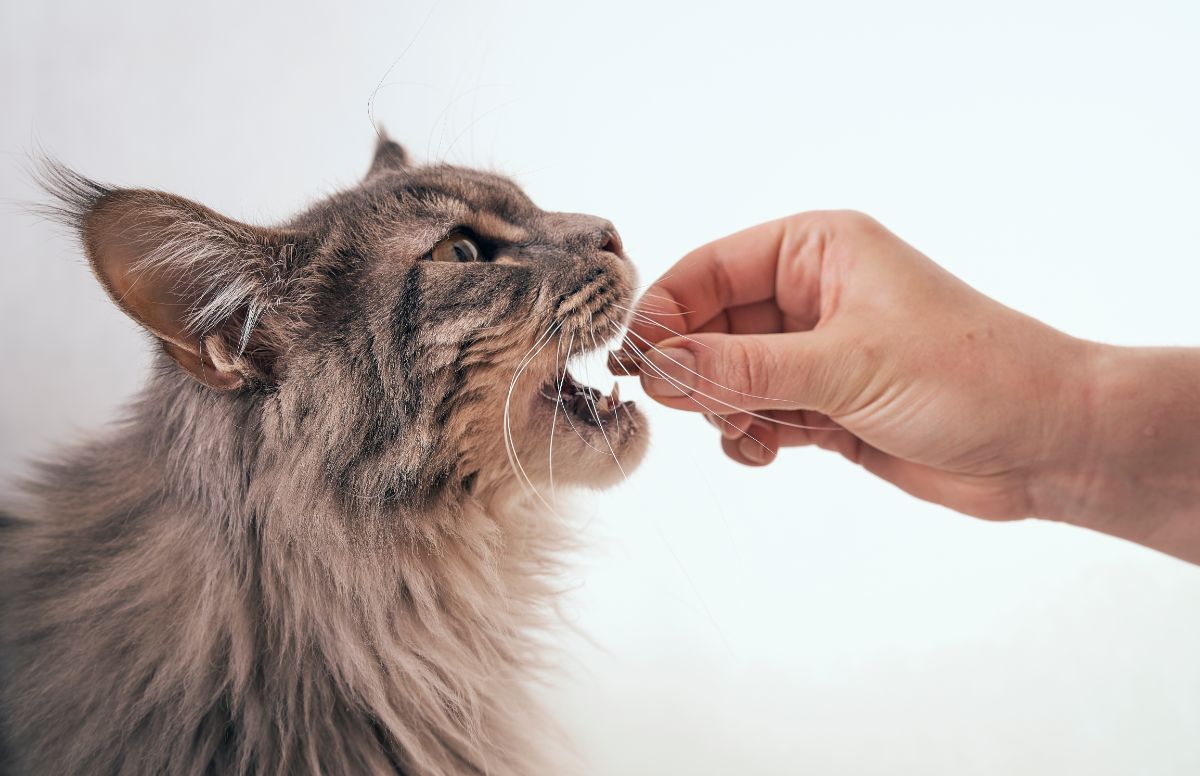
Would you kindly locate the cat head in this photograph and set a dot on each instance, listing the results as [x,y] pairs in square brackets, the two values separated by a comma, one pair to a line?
[403,341]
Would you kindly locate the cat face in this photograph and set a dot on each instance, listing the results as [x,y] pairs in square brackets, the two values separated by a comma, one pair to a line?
[403,341]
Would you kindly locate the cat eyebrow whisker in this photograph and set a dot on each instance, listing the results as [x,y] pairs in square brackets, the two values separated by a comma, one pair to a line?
[391,67]
[475,121]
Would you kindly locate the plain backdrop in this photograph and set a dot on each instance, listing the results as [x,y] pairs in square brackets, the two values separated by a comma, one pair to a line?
[800,619]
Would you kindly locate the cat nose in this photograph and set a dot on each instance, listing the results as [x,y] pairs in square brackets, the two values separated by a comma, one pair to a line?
[611,241]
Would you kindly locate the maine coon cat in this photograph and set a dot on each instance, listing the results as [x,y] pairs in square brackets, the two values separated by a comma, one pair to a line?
[315,544]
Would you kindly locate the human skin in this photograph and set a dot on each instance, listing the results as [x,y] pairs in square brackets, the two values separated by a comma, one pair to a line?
[848,338]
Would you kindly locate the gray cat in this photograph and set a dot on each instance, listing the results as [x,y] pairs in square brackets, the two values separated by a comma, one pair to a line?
[317,542]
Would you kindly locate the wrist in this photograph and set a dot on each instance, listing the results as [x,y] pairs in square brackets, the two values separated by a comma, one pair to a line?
[1131,468]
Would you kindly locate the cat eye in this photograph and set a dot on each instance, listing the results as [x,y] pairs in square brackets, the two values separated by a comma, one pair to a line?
[456,247]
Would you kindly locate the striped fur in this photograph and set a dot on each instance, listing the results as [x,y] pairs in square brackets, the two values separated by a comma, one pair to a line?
[332,567]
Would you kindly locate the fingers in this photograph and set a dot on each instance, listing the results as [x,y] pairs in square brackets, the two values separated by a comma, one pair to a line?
[724,373]
[779,261]
[757,318]
[731,426]
[746,439]
[757,447]
[735,270]
[756,439]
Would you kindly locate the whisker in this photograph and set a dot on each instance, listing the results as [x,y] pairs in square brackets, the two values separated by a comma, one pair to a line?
[668,329]
[391,67]
[475,121]
[691,390]
[612,331]
[725,388]
[509,444]
[657,280]
[587,371]
[566,414]
[587,395]
[675,556]
[614,328]
[554,420]
[724,420]
[680,310]
[648,295]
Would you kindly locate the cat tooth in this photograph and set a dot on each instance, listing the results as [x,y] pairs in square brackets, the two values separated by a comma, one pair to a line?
[615,398]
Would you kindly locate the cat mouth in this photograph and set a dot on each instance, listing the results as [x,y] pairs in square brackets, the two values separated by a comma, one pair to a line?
[585,403]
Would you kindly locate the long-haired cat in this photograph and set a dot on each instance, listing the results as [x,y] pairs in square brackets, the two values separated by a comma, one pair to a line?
[315,544]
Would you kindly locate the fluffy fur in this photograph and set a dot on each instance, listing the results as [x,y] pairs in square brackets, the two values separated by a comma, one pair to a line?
[306,549]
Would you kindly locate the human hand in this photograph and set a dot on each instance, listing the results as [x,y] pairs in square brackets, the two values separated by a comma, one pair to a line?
[827,329]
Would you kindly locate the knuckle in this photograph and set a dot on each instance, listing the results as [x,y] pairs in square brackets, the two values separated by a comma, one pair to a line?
[844,381]
[748,365]
[835,220]
[854,220]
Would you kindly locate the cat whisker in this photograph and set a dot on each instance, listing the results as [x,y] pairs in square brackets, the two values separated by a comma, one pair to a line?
[643,319]
[612,330]
[567,415]
[475,121]
[509,444]
[725,420]
[692,390]
[562,376]
[678,312]
[587,397]
[654,347]
[677,560]
[596,415]
[725,388]
[680,307]
[655,282]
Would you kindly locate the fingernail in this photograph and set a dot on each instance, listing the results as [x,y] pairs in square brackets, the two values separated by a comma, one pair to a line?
[721,423]
[752,449]
[622,362]
[679,364]
[731,430]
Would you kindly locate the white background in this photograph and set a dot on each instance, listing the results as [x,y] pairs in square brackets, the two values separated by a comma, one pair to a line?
[801,619]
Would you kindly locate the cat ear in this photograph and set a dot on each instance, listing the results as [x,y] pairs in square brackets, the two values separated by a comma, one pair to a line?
[201,283]
[389,156]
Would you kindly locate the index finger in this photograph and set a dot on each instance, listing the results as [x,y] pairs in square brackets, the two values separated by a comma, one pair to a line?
[779,261]
[732,271]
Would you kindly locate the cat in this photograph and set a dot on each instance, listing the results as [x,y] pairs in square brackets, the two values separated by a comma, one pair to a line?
[318,541]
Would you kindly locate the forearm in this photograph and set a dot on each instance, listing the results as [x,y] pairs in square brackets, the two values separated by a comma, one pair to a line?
[1133,470]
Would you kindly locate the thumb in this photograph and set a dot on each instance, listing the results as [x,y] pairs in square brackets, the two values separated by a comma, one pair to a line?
[722,373]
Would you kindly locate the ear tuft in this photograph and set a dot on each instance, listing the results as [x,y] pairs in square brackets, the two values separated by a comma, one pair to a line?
[389,156]
[73,195]
[203,284]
